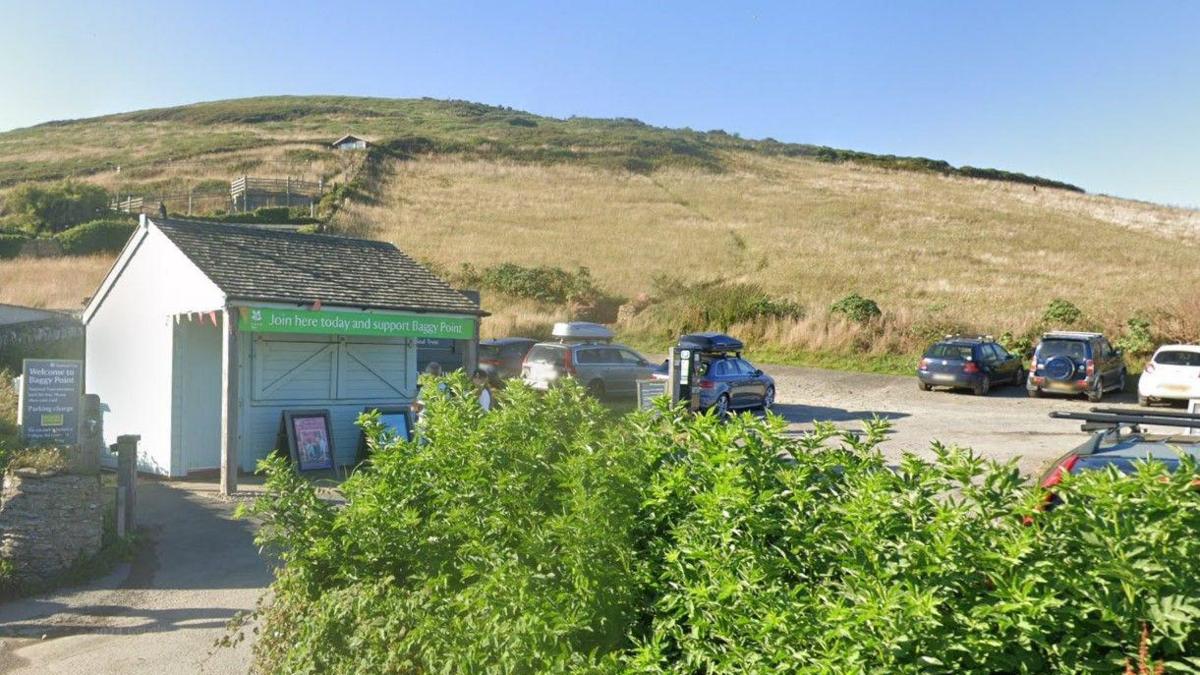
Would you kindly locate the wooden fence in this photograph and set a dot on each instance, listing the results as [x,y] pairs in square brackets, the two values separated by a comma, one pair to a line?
[245,194]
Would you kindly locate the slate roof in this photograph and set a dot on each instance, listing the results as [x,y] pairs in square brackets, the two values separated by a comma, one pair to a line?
[271,265]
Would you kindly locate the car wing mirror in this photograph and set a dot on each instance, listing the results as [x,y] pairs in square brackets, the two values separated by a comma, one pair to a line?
[758,372]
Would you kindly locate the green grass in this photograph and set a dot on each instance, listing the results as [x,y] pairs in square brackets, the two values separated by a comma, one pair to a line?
[401,127]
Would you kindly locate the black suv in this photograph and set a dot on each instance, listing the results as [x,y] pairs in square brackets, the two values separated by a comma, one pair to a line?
[975,362]
[1076,363]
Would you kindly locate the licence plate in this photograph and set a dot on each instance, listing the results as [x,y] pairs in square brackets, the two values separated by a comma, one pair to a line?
[942,377]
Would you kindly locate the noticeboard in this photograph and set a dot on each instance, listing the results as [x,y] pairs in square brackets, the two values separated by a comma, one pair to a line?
[50,391]
[310,438]
[648,390]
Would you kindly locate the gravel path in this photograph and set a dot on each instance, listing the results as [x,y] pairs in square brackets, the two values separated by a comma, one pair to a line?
[1002,425]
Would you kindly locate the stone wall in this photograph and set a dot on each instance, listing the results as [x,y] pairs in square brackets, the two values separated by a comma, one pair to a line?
[47,522]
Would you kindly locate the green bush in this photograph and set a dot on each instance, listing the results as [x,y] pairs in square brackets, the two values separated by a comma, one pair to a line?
[543,537]
[98,236]
[544,284]
[508,538]
[11,244]
[1061,312]
[56,207]
[1138,339]
[856,308]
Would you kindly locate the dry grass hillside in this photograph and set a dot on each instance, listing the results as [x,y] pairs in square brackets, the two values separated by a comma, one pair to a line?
[651,213]
[933,251]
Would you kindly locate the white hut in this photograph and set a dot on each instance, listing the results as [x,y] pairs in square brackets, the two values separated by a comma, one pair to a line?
[203,334]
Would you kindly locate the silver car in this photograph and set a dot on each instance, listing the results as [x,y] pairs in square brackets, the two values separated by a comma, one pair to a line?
[605,368]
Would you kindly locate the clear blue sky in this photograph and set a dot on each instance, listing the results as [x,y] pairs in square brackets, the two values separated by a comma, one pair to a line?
[1104,95]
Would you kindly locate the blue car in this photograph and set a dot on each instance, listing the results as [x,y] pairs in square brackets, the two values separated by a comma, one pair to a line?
[727,381]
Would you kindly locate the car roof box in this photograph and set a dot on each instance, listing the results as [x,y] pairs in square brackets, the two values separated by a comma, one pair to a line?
[581,331]
[711,342]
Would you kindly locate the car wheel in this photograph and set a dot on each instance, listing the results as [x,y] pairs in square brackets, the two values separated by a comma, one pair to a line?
[721,407]
[923,386]
[596,389]
[768,399]
[1018,377]
[1096,393]
[983,387]
[1121,382]
[1035,393]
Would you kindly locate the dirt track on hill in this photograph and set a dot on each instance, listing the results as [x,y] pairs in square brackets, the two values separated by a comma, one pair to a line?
[1002,425]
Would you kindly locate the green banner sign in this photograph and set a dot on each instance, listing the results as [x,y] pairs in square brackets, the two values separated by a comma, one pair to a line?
[275,320]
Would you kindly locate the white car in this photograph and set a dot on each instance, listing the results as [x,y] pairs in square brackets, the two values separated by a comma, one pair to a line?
[1173,373]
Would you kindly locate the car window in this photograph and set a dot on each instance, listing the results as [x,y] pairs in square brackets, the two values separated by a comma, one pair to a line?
[631,358]
[588,356]
[943,350]
[1001,352]
[609,355]
[995,352]
[745,366]
[1074,349]
[1175,357]
[489,351]
[545,354]
[718,368]
[515,350]
[1105,348]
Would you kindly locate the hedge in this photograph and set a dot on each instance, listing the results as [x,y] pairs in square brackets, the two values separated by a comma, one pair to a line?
[98,236]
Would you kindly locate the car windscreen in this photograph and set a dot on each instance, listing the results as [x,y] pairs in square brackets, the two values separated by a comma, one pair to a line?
[944,350]
[545,354]
[1074,349]
[1175,357]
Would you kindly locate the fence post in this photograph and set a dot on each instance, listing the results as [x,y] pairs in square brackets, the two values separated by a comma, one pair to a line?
[189,201]
[126,449]
[288,193]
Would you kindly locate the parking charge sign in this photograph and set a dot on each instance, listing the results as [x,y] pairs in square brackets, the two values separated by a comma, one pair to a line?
[50,390]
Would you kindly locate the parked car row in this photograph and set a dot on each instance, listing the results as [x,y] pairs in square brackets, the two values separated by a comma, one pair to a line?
[586,352]
[1064,362]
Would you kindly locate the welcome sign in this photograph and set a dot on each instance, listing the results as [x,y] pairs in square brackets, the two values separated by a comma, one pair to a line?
[368,324]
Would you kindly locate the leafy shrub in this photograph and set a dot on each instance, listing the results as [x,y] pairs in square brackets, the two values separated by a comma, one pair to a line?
[269,215]
[505,538]
[1138,339]
[11,244]
[1061,312]
[542,537]
[856,308]
[1020,345]
[544,284]
[57,207]
[95,237]
[39,459]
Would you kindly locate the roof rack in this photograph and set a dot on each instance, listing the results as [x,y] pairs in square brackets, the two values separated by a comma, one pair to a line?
[1108,418]
[964,336]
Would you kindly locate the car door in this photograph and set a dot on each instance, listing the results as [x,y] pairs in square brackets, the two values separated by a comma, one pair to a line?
[998,366]
[1111,363]
[617,379]
[637,367]
[755,388]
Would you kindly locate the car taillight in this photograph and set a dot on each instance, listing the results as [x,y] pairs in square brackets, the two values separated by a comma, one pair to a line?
[490,362]
[707,384]
[1149,368]
[1063,469]
[923,365]
[1090,365]
[568,366]
[970,367]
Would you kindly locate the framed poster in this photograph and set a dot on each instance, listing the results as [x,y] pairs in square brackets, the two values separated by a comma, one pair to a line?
[396,421]
[310,438]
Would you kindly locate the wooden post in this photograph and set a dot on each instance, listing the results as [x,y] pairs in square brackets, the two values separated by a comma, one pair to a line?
[229,402]
[189,201]
[126,449]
